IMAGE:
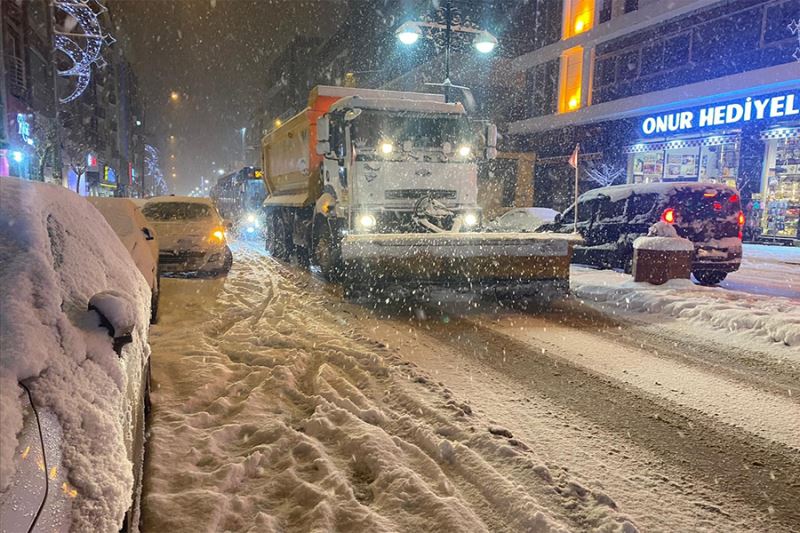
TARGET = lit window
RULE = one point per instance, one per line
(578, 17)
(569, 98)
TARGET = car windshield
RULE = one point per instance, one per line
(401, 265)
(176, 211)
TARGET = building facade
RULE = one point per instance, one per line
(687, 90)
(92, 144)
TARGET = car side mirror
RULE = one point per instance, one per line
(149, 234)
(116, 316)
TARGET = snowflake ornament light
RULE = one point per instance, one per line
(794, 27)
(82, 45)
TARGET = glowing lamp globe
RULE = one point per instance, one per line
(408, 33)
(485, 42)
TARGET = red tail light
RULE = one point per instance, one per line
(668, 216)
(740, 235)
(717, 206)
(734, 198)
(741, 218)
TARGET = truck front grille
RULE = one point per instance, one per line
(413, 194)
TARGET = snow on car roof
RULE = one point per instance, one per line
(620, 192)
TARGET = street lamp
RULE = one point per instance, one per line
(409, 33)
(485, 42)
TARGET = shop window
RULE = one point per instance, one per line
(709, 160)
(720, 163)
(578, 17)
(779, 201)
(648, 167)
(571, 80)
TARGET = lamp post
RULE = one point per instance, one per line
(409, 33)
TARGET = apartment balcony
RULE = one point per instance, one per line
(15, 76)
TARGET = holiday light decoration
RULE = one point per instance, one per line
(84, 45)
(794, 27)
(152, 168)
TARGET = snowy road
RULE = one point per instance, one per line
(278, 406)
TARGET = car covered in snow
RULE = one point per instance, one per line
(522, 219)
(191, 235)
(74, 365)
(139, 237)
(611, 218)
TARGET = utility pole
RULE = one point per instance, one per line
(448, 15)
(57, 160)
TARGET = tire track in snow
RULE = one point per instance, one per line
(275, 417)
(753, 470)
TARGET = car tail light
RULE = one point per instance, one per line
(717, 206)
(734, 198)
(741, 218)
(668, 215)
(741, 237)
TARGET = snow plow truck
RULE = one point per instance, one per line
(379, 189)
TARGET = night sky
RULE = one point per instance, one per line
(214, 53)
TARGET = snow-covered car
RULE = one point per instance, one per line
(191, 235)
(139, 237)
(611, 218)
(74, 365)
(522, 219)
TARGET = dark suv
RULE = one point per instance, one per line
(611, 218)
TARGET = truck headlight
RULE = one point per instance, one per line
(464, 150)
(367, 221)
(470, 219)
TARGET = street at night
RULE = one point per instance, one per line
(420, 266)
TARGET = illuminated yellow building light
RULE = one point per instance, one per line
(570, 80)
(578, 17)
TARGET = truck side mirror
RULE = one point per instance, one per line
(323, 136)
(491, 141)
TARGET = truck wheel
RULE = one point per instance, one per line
(327, 255)
(709, 277)
(277, 240)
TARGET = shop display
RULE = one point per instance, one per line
(781, 209)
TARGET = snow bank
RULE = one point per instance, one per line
(769, 318)
(56, 252)
(272, 414)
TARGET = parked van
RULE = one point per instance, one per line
(611, 218)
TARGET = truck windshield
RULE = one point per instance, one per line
(428, 131)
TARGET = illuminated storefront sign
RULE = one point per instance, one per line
(24, 128)
(749, 109)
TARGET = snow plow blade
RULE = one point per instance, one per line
(498, 264)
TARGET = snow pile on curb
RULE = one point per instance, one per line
(48, 274)
(271, 414)
(767, 317)
(663, 237)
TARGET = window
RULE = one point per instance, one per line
(578, 17)
(641, 204)
(571, 80)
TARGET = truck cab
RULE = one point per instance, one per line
(401, 165)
